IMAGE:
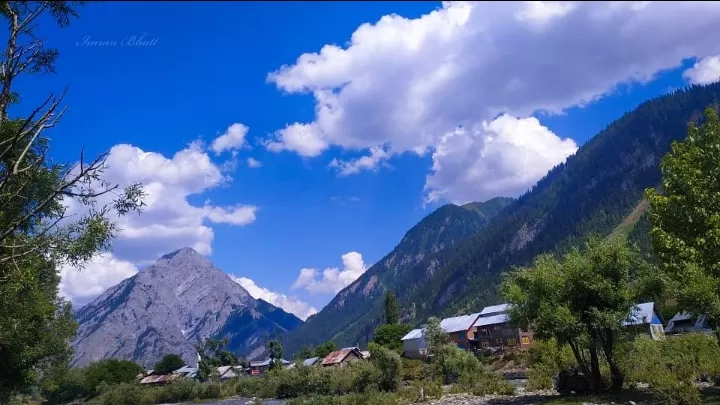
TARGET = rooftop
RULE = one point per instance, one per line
(492, 320)
(494, 309)
(458, 323)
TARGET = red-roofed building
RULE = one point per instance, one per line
(342, 357)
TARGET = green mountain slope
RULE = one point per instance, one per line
(592, 193)
(353, 314)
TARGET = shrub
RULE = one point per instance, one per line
(111, 371)
(366, 377)
(671, 366)
(168, 364)
(389, 364)
(490, 383)
(412, 370)
(545, 359)
(211, 391)
(123, 394)
(179, 391)
(453, 364)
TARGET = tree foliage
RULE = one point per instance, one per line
(685, 217)
(305, 353)
(168, 364)
(275, 352)
(581, 300)
(392, 311)
(50, 213)
(213, 354)
(389, 336)
(322, 350)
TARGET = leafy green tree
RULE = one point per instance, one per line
(38, 230)
(275, 352)
(213, 354)
(392, 312)
(581, 300)
(435, 336)
(305, 353)
(111, 372)
(389, 336)
(168, 364)
(685, 217)
(322, 350)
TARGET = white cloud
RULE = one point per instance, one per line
(503, 157)
(253, 163)
(369, 162)
(403, 84)
(705, 71)
(168, 221)
(333, 279)
(301, 309)
(232, 139)
(101, 273)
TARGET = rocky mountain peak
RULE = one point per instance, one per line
(170, 306)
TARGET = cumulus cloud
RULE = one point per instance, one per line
(168, 221)
(705, 71)
(405, 84)
(333, 279)
(101, 273)
(301, 309)
(254, 164)
(232, 139)
(369, 162)
(503, 157)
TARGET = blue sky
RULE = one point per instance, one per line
(393, 91)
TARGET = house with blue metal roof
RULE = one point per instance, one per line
(644, 319)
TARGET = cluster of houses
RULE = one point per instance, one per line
(490, 329)
(338, 358)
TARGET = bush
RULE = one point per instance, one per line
(412, 370)
(454, 365)
(389, 364)
(671, 366)
(211, 391)
(545, 359)
(111, 371)
(124, 394)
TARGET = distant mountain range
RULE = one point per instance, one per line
(170, 307)
(452, 261)
(449, 263)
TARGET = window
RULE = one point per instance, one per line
(511, 341)
(496, 327)
(525, 340)
(484, 344)
(483, 331)
(498, 342)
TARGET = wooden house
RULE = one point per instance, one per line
(684, 322)
(493, 330)
(460, 329)
(342, 357)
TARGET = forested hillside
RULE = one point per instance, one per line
(353, 314)
(593, 192)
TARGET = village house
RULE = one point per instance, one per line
(684, 322)
(460, 329)
(259, 367)
(311, 361)
(644, 319)
(414, 344)
(493, 330)
(342, 357)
